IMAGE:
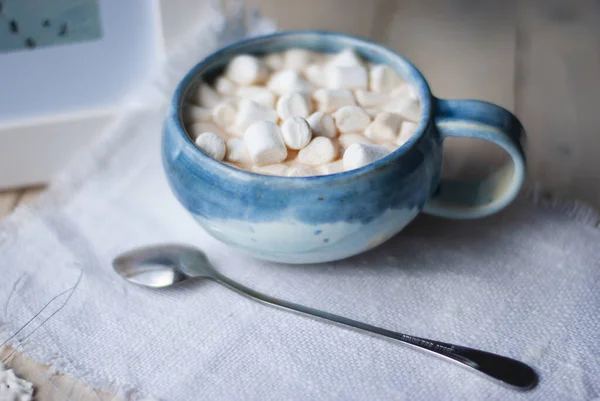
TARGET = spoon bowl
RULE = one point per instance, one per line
(165, 265)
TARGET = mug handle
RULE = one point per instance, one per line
(487, 121)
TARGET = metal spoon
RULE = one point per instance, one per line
(165, 265)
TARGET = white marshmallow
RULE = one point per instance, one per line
(297, 59)
(368, 99)
(224, 86)
(320, 150)
(347, 78)
(391, 146)
(384, 127)
(288, 80)
(211, 144)
(331, 168)
(259, 94)
(351, 138)
(383, 78)
(404, 101)
(207, 96)
(191, 114)
(296, 132)
(404, 90)
(299, 171)
(322, 124)
(373, 111)
(236, 151)
(274, 61)
(224, 114)
(407, 129)
(293, 105)
(198, 128)
(237, 166)
(345, 58)
(408, 108)
(315, 74)
(359, 155)
(246, 69)
(329, 100)
(264, 143)
(351, 119)
(271, 169)
(249, 112)
(234, 130)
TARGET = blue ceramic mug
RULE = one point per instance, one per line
(325, 218)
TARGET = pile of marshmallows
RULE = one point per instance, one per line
(301, 113)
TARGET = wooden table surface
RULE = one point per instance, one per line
(537, 58)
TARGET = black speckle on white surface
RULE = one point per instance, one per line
(47, 23)
(63, 29)
(14, 27)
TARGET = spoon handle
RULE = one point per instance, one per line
(507, 370)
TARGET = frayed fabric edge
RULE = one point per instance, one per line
(576, 210)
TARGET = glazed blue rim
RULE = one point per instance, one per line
(413, 76)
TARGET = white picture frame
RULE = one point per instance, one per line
(54, 99)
